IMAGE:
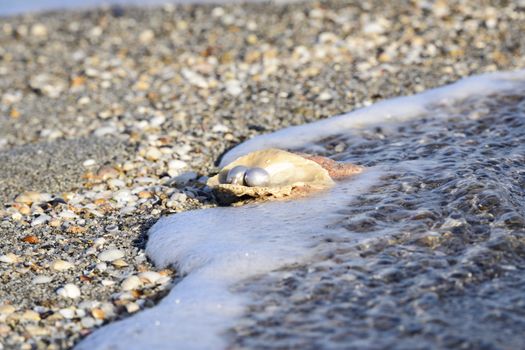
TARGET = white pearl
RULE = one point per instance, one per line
(236, 175)
(256, 177)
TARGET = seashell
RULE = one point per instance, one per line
(275, 173)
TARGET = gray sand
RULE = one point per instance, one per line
(53, 167)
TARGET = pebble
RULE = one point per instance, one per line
(325, 96)
(146, 36)
(101, 267)
(68, 214)
(7, 309)
(61, 265)
(107, 283)
(130, 283)
(150, 276)
(186, 177)
(119, 263)
(124, 196)
(38, 30)
(42, 219)
(116, 183)
(42, 279)
(220, 128)
(89, 163)
(153, 153)
(69, 291)
(99, 242)
(4, 330)
(233, 87)
(36, 331)
(30, 315)
(9, 258)
(98, 313)
(31, 239)
(68, 313)
(29, 197)
(87, 322)
(176, 164)
(164, 280)
(194, 78)
(111, 255)
(80, 312)
(132, 307)
(107, 172)
(105, 130)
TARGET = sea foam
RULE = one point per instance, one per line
(217, 248)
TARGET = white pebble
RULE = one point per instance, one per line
(68, 214)
(325, 96)
(194, 78)
(116, 183)
(101, 240)
(157, 120)
(87, 322)
(107, 283)
(68, 313)
(153, 153)
(132, 307)
(145, 180)
(101, 267)
(7, 309)
(233, 87)
(69, 291)
(186, 177)
(104, 130)
(42, 279)
(150, 276)
(130, 283)
(220, 128)
(89, 162)
(91, 251)
(164, 280)
(9, 258)
(42, 219)
(111, 254)
(80, 312)
(39, 30)
(176, 164)
(178, 197)
(61, 265)
(123, 196)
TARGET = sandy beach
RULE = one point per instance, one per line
(111, 118)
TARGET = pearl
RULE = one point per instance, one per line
(236, 175)
(255, 177)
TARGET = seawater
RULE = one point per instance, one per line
(426, 248)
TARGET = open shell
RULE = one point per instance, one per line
(290, 174)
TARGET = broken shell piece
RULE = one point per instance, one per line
(288, 174)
